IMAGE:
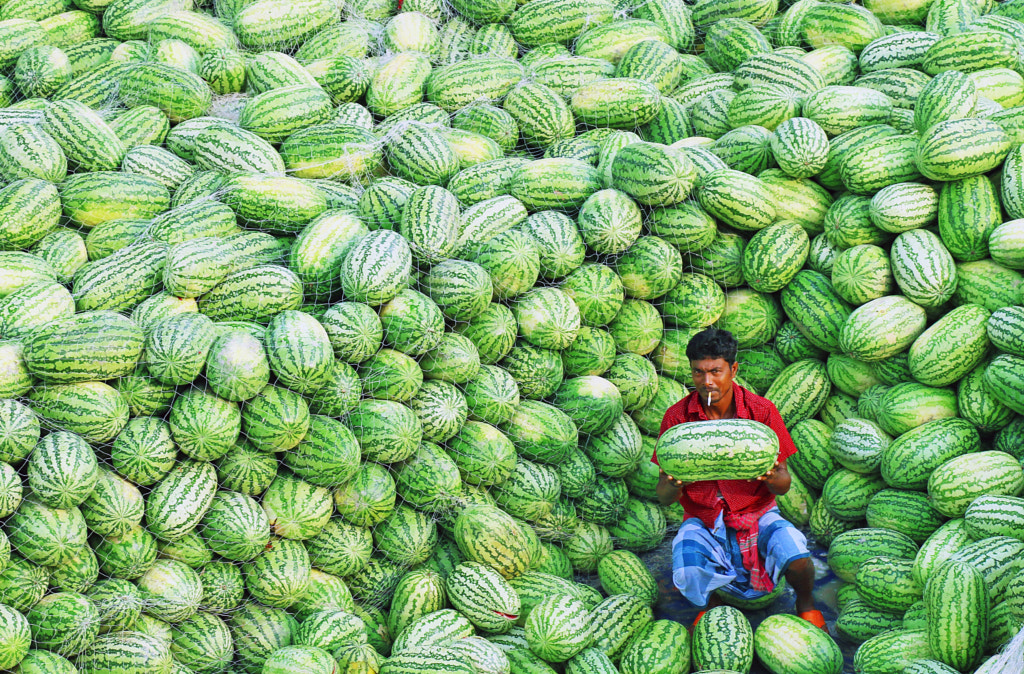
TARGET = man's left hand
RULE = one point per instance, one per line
(776, 479)
(770, 474)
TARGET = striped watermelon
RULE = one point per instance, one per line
(532, 27)
(202, 642)
(592, 353)
(39, 661)
(907, 512)
(1004, 330)
(298, 350)
(62, 471)
(850, 549)
(204, 426)
(235, 527)
(858, 445)
(911, 458)
(404, 537)
(897, 648)
(256, 293)
(961, 148)
(419, 593)
(1001, 380)
(858, 622)
(81, 337)
(141, 652)
(617, 620)
(710, 653)
(144, 452)
(950, 347)
(330, 629)
(784, 639)
(177, 347)
(774, 255)
(489, 536)
(530, 490)
(800, 390)
(993, 515)
(483, 595)
(441, 408)
(923, 268)
(557, 629)
(85, 138)
(680, 458)
(882, 328)
(236, 366)
(276, 419)
(887, 584)
(432, 630)
(65, 623)
(300, 659)
(170, 590)
(862, 273)
(280, 575)
(368, 497)
(180, 500)
(258, 630)
(223, 587)
(816, 309)
(957, 601)
(483, 454)
(957, 482)
(91, 409)
(622, 572)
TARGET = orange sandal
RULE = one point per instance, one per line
(814, 617)
(699, 616)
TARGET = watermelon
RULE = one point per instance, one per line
(557, 628)
(141, 652)
(65, 623)
(850, 549)
(489, 536)
(63, 470)
(954, 484)
(785, 641)
(956, 629)
(893, 650)
(710, 653)
(691, 461)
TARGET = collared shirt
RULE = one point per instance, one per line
(707, 498)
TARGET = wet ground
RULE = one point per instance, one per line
(672, 606)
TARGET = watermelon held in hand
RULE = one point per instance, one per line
(722, 449)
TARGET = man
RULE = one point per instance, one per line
(733, 537)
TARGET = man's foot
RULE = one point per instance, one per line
(813, 616)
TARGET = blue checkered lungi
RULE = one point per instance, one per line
(706, 560)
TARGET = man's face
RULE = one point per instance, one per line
(712, 377)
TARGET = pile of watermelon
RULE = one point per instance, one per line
(336, 336)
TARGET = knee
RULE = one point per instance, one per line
(800, 566)
(686, 555)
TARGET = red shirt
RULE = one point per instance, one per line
(700, 499)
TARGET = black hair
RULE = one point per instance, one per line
(712, 343)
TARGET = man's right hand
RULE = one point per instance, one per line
(669, 478)
(668, 488)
